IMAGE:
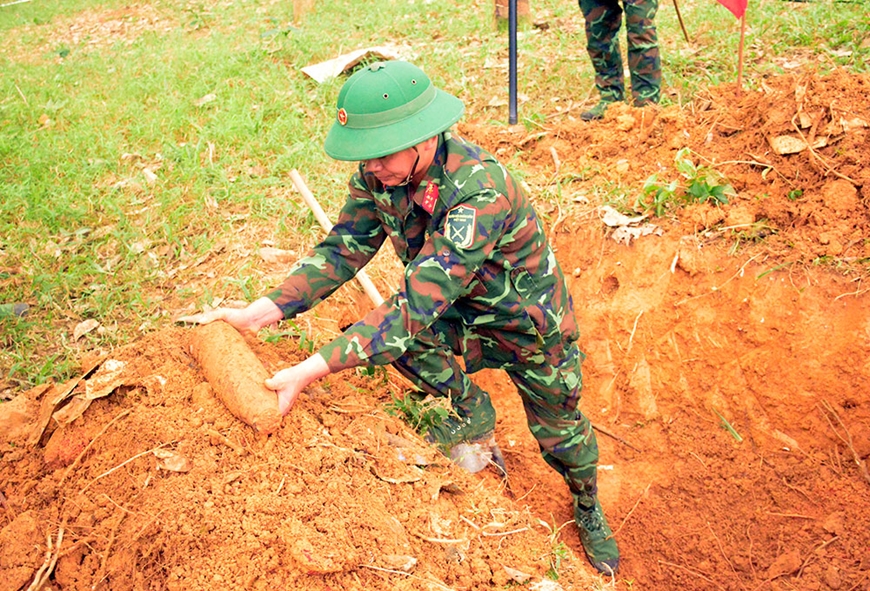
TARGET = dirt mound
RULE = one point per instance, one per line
(726, 376)
(342, 496)
(807, 203)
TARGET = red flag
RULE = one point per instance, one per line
(737, 7)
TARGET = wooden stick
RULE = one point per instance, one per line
(37, 580)
(636, 503)
(227, 441)
(617, 437)
(440, 540)
(505, 533)
(740, 55)
(320, 215)
(817, 157)
(124, 463)
(101, 573)
(794, 515)
(51, 556)
(680, 18)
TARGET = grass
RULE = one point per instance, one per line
(144, 149)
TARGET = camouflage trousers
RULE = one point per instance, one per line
(550, 395)
(603, 20)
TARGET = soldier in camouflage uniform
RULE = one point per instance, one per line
(480, 282)
(603, 21)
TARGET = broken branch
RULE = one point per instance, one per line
(636, 503)
(617, 437)
(124, 463)
(89, 445)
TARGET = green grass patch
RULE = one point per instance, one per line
(144, 149)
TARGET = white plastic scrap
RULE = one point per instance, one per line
(627, 228)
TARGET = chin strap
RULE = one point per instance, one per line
(413, 169)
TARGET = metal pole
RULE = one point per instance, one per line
(512, 66)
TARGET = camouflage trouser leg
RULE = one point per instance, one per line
(430, 364)
(644, 61)
(550, 397)
(603, 19)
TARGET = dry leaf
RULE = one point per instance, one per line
(105, 380)
(853, 124)
(76, 408)
(614, 219)
(787, 144)
(403, 563)
(517, 575)
(805, 120)
(84, 327)
(800, 92)
(625, 234)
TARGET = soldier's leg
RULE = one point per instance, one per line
(431, 365)
(603, 20)
(644, 61)
(551, 395)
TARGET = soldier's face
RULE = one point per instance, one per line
(393, 169)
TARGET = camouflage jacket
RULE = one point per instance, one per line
(475, 256)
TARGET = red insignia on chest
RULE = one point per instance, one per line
(430, 197)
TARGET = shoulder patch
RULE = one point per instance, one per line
(430, 197)
(460, 225)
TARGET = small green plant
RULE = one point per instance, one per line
(560, 552)
(422, 413)
(293, 331)
(374, 371)
(795, 194)
(755, 232)
(657, 197)
(701, 184)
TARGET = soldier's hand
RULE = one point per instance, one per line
(251, 318)
(288, 383)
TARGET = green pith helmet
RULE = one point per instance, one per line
(387, 107)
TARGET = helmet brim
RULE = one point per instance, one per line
(347, 143)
